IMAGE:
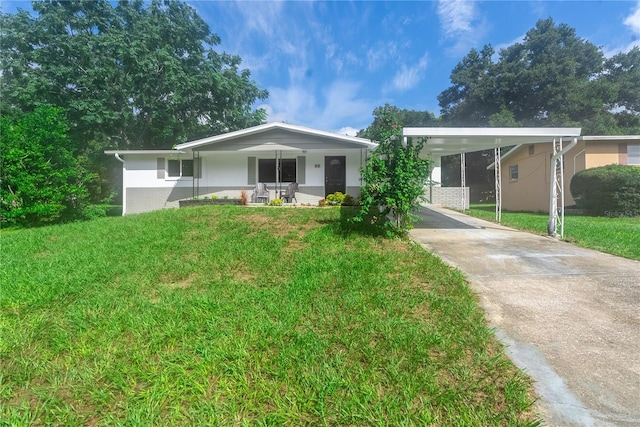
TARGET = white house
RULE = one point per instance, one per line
(224, 165)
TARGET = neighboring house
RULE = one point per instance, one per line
(224, 165)
(526, 175)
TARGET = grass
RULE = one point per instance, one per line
(616, 236)
(243, 316)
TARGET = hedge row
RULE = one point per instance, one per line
(612, 190)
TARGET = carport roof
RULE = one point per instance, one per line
(448, 141)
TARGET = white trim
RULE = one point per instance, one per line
(490, 132)
(275, 125)
(123, 152)
(608, 137)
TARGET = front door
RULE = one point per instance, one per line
(335, 173)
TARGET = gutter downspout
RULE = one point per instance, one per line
(124, 187)
(553, 208)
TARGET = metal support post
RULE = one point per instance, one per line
(498, 178)
(463, 178)
(556, 210)
(556, 192)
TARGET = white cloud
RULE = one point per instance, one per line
(458, 21)
(633, 21)
(409, 77)
(456, 16)
(379, 55)
(348, 130)
(341, 103)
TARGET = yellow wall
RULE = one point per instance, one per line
(602, 153)
(530, 192)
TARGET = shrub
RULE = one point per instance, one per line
(275, 202)
(612, 190)
(101, 210)
(41, 180)
(394, 177)
(335, 199)
(349, 201)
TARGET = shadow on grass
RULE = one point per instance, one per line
(346, 225)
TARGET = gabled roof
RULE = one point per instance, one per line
(275, 136)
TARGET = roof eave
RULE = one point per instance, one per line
(364, 143)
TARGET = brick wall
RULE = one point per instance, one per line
(450, 197)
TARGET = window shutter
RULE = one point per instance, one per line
(160, 168)
(302, 169)
(251, 170)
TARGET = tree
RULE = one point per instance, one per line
(405, 118)
(134, 75)
(620, 86)
(40, 180)
(394, 176)
(468, 102)
(549, 79)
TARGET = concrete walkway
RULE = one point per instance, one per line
(570, 317)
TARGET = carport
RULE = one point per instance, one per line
(443, 141)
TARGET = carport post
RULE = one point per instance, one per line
(556, 190)
(498, 179)
(463, 178)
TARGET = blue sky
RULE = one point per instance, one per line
(329, 64)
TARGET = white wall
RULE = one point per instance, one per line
(230, 169)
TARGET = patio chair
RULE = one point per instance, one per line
(290, 193)
(261, 192)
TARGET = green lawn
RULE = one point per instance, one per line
(243, 316)
(617, 236)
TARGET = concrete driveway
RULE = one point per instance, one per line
(570, 317)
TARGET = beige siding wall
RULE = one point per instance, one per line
(600, 153)
(530, 192)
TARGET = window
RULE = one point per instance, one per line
(513, 172)
(267, 170)
(633, 154)
(179, 168)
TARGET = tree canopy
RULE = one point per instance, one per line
(133, 75)
(41, 181)
(128, 75)
(403, 118)
(551, 78)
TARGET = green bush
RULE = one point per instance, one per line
(41, 180)
(349, 201)
(612, 190)
(101, 211)
(335, 199)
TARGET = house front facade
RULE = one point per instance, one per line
(526, 171)
(224, 165)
